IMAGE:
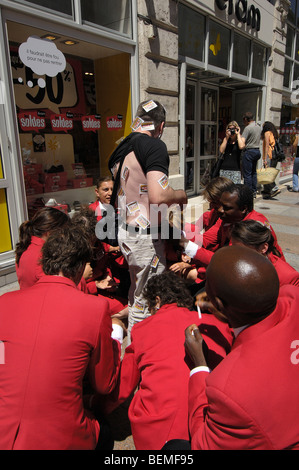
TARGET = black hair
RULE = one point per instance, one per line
(245, 195)
(269, 126)
(170, 288)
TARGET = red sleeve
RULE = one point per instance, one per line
(129, 378)
(105, 359)
(217, 422)
(211, 236)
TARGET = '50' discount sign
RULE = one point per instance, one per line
(42, 78)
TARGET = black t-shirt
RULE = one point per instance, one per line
(151, 153)
(232, 157)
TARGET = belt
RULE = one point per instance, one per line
(137, 229)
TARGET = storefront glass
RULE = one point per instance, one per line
(259, 62)
(192, 37)
(219, 42)
(290, 42)
(73, 105)
(5, 235)
(115, 14)
(241, 54)
(65, 6)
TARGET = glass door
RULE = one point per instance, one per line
(208, 131)
(201, 131)
(190, 139)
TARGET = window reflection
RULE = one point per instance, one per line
(189, 140)
(208, 139)
(208, 104)
(56, 5)
(241, 55)
(189, 176)
(115, 14)
(258, 62)
(219, 45)
(191, 37)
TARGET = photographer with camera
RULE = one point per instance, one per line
(231, 148)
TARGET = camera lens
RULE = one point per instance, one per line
(232, 131)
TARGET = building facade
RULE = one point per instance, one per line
(72, 74)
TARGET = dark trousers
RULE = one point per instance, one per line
(249, 162)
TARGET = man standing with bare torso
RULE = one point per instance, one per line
(143, 195)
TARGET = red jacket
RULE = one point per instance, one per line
(286, 273)
(219, 235)
(29, 270)
(53, 333)
(156, 361)
(250, 401)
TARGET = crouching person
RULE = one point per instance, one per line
(53, 336)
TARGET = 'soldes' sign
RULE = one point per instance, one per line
(244, 13)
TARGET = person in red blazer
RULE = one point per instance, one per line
(155, 362)
(54, 336)
(32, 236)
(250, 400)
(256, 235)
(211, 193)
(236, 204)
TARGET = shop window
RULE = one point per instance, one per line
(65, 7)
(287, 72)
(296, 48)
(296, 72)
(258, 62)
(219, 43)
(292, 11)
(5, 235)
(115, 14)
(191, 33)
(241, 54)
(71, 111)
(290, 41)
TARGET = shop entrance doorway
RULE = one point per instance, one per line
(209, 106)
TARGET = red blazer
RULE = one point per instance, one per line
(156, 361)
(286, 273)
(29, 271)
(205, 222)
(250, 401)
(53, 334)
(219, 235)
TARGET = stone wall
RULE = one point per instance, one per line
(276, 64)
(158, 69)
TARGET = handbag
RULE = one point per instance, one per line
(266, 175)
(278, 152)
(215, 170)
